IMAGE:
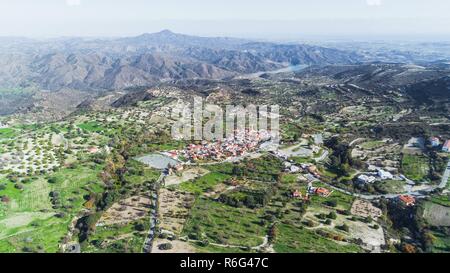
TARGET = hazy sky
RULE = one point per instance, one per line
(289, 19)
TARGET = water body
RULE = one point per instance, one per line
(157, 161)
(292, 68)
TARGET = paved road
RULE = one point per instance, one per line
(148, 243)
(356, 140)
(445, 177)
(419, 194)
(258, 247)
(323, 156)
(228, 160)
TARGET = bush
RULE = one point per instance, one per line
(204, 243)
(344, 227)
(331, 203)
(139, 227)
(165, 246)
(52, 180)
(60, 215)
(310, 223)
(332, 215)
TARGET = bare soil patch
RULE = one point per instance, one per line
(127, 210)
(174, 209)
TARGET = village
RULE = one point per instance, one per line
(240, 143)
(247, 177)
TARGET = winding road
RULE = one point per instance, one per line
(419, 194)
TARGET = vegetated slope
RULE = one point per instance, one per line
(13, 100)
(430, 90)
(421, 83)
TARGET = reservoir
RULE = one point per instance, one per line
(157, 161)
(292, 68)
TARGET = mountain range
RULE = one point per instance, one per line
(114, 64)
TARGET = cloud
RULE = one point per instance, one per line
(374, 2)
(73, 3)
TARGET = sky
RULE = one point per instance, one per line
(265, 19)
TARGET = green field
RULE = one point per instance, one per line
(443, 200)
(91, 126)
(223, 224)
(415, 167)
(217, 249)
(28, 221)
(343, 201)
(117, 238)
(436, 215)
(390, 186)
(441, 243)
(204, 183)
(301, 240)
(289, 178)
(7, 133)
(372, 144)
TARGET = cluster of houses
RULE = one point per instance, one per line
(95, 150)
(291, 168)
(237, 145)
(380, 174)
(436, 142)
(323, 192)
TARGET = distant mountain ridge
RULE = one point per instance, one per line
(114, 64)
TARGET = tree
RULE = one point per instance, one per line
(273, 233)
(52, 180)
(331, 203)
(139, 227)
(408, 248)
(332, 215)
(345, 228)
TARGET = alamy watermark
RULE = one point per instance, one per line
(210, 122)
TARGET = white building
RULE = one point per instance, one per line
(318, 139)
(434, 141)
(3, 125)
(294, 169)
(384, 175)
(365, 179)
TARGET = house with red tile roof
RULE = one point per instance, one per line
(408, 200)
(446, 147)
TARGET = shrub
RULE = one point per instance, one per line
(344, 227)
(331, 203)
(165, 246)
(332, 215)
